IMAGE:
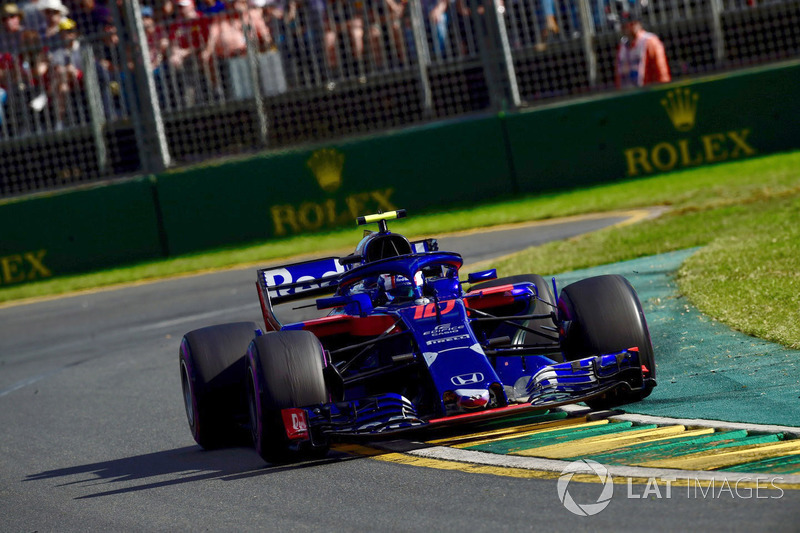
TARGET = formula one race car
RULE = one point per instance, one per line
(405, 345)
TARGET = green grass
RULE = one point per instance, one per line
(747, 274)
(743, 215)
(750, 279)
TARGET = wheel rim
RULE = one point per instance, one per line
(188, 397)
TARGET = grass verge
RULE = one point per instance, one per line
(747, 275)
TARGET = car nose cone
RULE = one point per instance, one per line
(472, 398)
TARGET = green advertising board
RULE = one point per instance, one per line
(303, 191)
(655, 130)
(77, 231)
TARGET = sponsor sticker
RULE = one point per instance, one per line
(467, 379)
(444, 329)
(296, 424)
(448, 339)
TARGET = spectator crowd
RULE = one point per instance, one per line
(199, 50)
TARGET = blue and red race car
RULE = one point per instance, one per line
(405, 344)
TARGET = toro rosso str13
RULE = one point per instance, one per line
(404, 343)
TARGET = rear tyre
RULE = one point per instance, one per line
(212, 368)
(605, 316)
(284, 369)
(544, 305)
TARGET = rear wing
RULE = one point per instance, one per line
(296, 281)
(301, 280)
(307, 279)
(425, 245)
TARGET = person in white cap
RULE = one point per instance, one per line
(54, 12)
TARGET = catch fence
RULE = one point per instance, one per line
(150, 89)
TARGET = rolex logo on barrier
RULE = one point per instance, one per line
(338, 207)
(681, 107)
(23, 266)
(686, 151)
(326, 164)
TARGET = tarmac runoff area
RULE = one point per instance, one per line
(737, 398)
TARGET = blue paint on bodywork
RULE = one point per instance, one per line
(450, 349)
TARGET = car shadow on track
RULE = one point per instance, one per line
(171, 467)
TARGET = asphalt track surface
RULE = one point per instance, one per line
(94, 436)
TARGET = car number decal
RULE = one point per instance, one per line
(428, 311)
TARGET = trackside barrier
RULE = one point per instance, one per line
(661, 129)
(78, 231)
(303, 191)
(280, 194)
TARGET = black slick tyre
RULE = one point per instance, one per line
(284, 370)
(604, 315)
(212, 369)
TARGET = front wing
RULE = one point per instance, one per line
(551, 386)
(583, 379)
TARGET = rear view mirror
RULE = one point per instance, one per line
(360, 304)
(484, 275)
(334, 301)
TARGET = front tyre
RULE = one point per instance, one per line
(284, 369)
(604, 315)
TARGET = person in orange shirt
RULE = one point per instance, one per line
(641, 59)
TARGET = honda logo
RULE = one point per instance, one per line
(467, 379)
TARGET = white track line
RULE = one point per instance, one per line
(555, 465)
(193, 318)
(575, 410)
(703, 423)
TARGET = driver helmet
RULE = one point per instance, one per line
(396, 286)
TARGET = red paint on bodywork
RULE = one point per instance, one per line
(497, 412)
(270, 322)
(296, 423)
(491, 297)
(368, 326)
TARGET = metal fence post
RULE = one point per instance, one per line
(423, 57)
(94, 101)
(495, 53)
(253, 69)
(156, 157)
(718, 35)
(498, 21)
(587, 39)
